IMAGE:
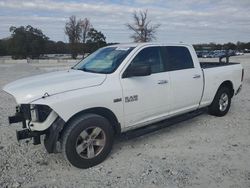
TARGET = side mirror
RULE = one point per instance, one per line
(138, 70)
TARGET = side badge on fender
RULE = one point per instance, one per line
(131, 98)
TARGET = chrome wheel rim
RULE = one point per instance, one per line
(223, 102)
(90, 142)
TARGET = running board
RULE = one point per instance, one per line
(131, 134)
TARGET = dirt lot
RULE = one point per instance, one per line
(205, 151)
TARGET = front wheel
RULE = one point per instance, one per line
(87, 141)
(221, 103)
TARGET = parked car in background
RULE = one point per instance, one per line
(218, 53)
(199, 53)
(206, 55)
(239, 53)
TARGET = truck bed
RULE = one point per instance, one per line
(206, 65)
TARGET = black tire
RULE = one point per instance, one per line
(82, 125)
(215, 108)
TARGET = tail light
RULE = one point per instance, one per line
(242, 75)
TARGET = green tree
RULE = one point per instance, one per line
(27, 42)
(3, 50)
(95, 36)
(95, 40)
(61, 47)
(229, 46)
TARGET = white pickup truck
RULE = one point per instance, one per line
(115, 89)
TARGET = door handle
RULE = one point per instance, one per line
(162, 82)
(196, 76)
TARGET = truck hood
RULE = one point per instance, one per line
(32, 88)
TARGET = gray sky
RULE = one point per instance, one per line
(189, 21)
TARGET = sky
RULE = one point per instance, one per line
(188, 21)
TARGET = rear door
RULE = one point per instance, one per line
(146, 98)
(186, 79)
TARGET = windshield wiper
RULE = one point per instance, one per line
(92, 71)
(87, 70)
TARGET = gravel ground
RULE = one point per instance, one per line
(205, 151)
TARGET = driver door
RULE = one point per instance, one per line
(146, 98)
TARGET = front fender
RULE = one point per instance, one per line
(67, 104)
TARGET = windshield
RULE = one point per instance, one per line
(104, 60)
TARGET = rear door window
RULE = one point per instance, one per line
(177, 58)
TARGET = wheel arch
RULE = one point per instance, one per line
(228, 84)
(102, 111)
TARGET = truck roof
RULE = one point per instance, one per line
(149, 44)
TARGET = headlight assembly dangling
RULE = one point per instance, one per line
(34, 113)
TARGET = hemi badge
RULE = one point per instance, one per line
(117, 100)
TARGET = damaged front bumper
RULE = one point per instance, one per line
(50, 127)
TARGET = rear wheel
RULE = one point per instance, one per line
(221, 103)
(87, 141)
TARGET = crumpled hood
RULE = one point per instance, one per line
(32, 88)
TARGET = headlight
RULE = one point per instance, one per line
(39, 113)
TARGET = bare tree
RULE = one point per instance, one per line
(143, 30)
(85, 26)
(73, 30)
